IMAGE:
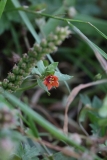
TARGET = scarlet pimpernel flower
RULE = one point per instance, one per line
(51, 81)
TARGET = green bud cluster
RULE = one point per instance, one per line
(28, 61)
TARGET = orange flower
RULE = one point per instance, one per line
(51, 81)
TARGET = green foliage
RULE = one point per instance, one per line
(23, 22)
(2, 6)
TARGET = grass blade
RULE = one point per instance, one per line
(91, 44)
(2, 6)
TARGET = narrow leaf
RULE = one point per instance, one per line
(35, 71)
(41, 67)
(2, 6)
(40, 83)
(52, 66)
(94, 47)
(62, 77)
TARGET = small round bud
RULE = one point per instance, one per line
(18, 83)
(19, 78)
(43, 43)
(10, 85)
(25, 57)
(72, 12)
(76, 138)
(11, 76)
(15, 69)
(23, 66)
(37, 48)
(32, 53)
(21, 71)
(5, 83)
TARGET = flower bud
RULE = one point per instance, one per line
(15, 69)
(43, 43)
(21, 71)
(10, 85)
(11, 76)
(5, 83)
(18, 83)
(37, 48)
(25, 57)
(32, 53)
(23, 66)
(19, 78)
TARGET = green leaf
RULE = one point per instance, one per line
(41, 67)
(86, 29)
(52, 23)
(26, 20)
(94, 117)
(85, 99)
(2, 6)
(103, 109)
(35, 71)
(96, 103)
(40, 83)
(62, 77)
(30, 152)
(94, 47)
(4, 102)
(52, 66)
(26, 152)
(83, 114)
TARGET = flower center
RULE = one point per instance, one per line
(51, 80)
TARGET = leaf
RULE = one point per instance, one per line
(26, 152)
(86, 29)
(2, 6)
(94, 117)
(52, 23)
(40, 83)
(26, 21)
(103, 109)
(41, 67)
(35, 71)
(62, 77)
(30, 152)
(96, 103)
(52, 66)
(94, 47)
(85, 99)
(4, 102)
(83, 114)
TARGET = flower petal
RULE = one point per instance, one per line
(49, 86)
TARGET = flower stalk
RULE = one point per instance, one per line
(36, 53)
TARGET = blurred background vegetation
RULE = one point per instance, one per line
(75, 58)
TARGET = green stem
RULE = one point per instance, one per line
(59, 18)
(45, 15)
(26, 88)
